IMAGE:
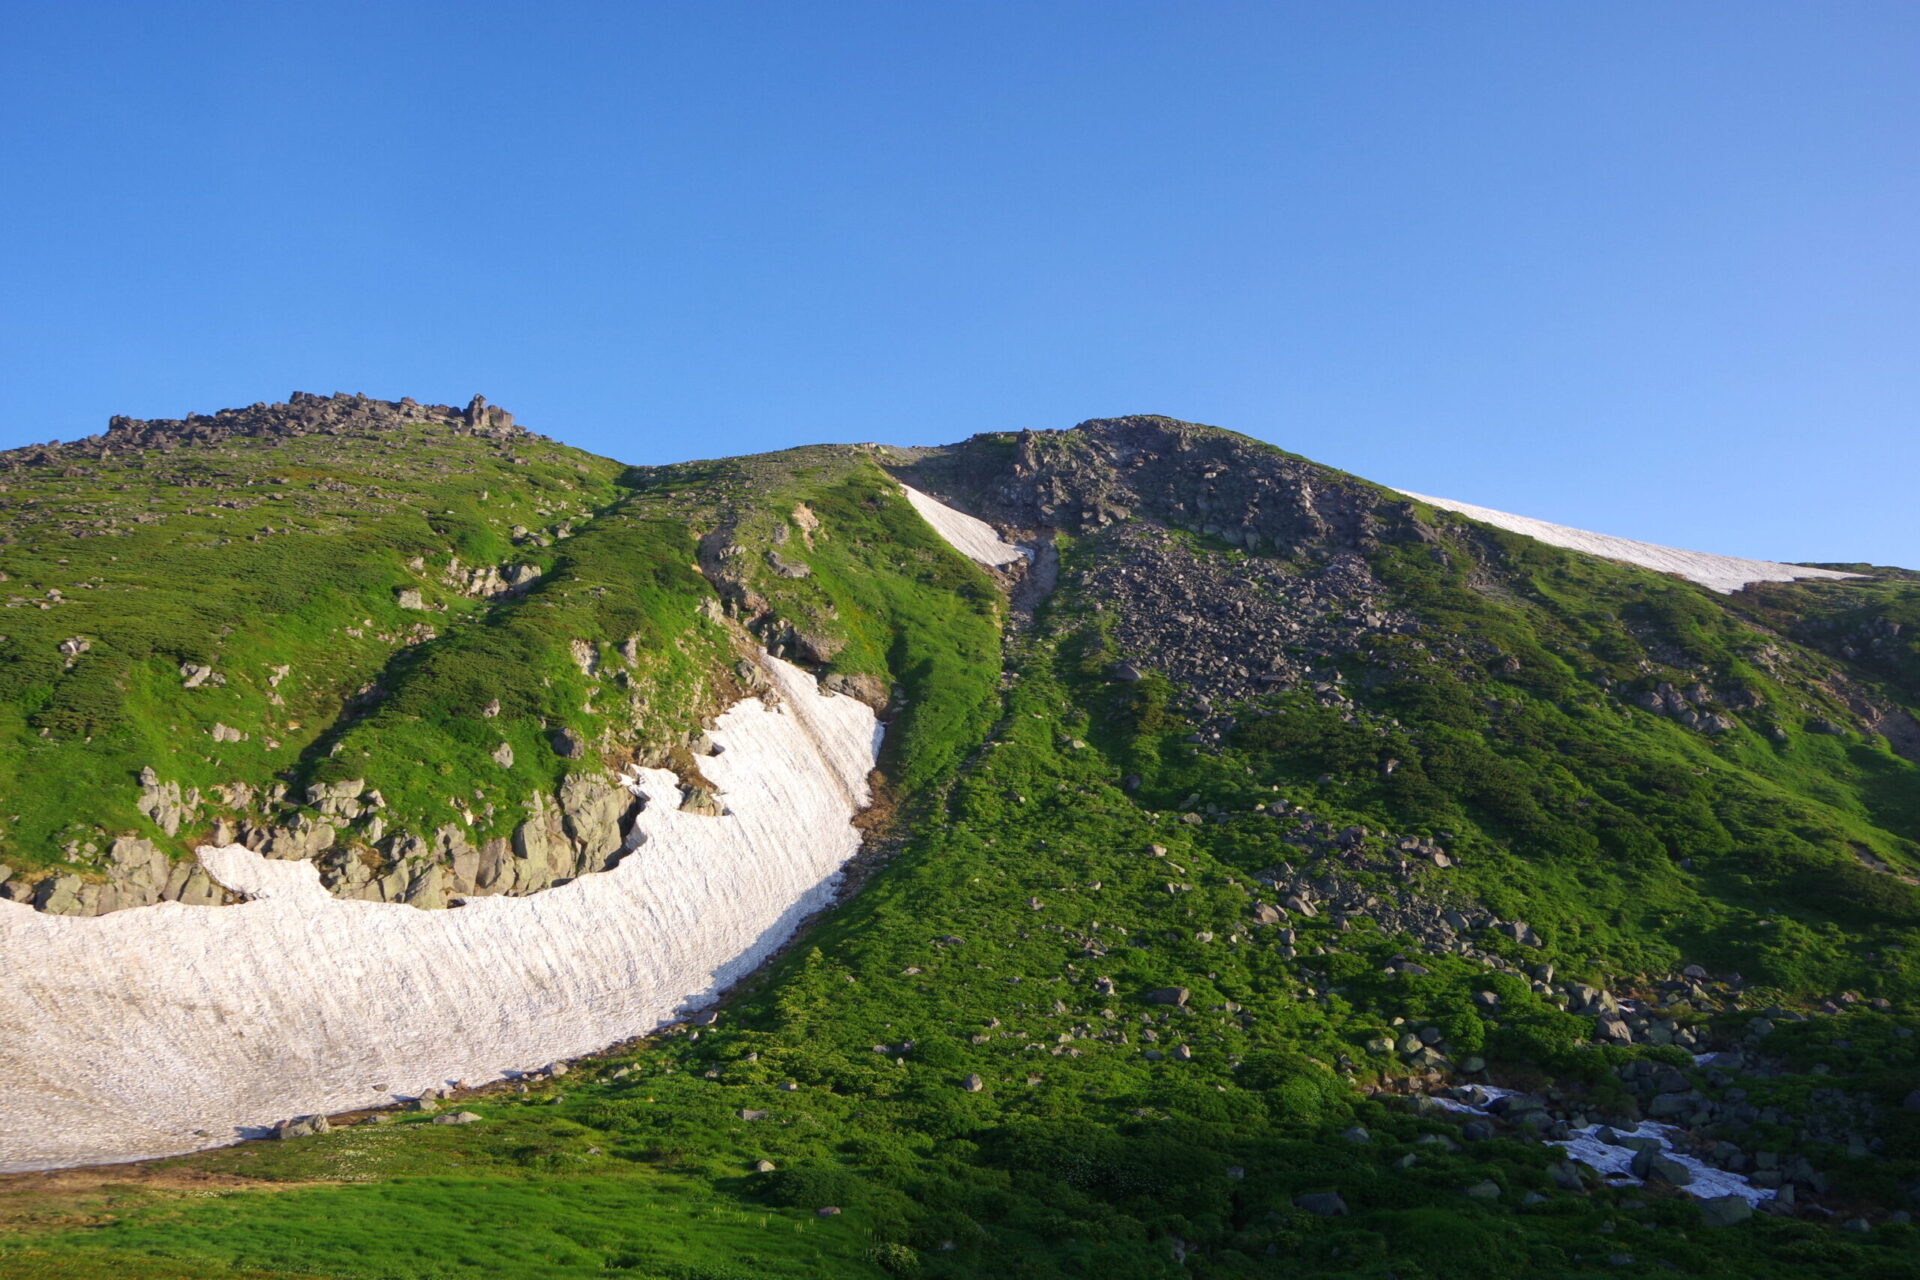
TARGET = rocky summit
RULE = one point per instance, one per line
(1261, 872)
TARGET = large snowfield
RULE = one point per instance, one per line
(1725, 574)
(171, 1028)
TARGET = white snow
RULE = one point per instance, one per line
(973, 538)
(1708, 1182)
(1725, 574)
(122, 1035)
(1616, 1162)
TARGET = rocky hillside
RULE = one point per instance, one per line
(412, 643)
(1275, 875)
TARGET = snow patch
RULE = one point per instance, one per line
(1616, 1163)
(170, 1028)
(1725, 574)
(973, 538)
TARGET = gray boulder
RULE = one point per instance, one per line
(301, 1127)
(1324, 1204)
(1655, 1166)
(1725, 1211)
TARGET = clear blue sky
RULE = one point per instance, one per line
(1647, 268)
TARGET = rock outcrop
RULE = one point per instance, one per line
(304, 414)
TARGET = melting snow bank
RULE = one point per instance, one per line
(973, 538)
(1614, 1158)
(1725, 574)
(170, 1028)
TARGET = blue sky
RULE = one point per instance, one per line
(1645, 268)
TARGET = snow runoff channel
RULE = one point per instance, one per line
(171, 1028)
(1725, 574)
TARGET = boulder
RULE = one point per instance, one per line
(871, 690)
(1672, 1106)
(786, 568)
(301, 1127)
(1655, 1166)
(1324, 1204)
(67, 895)
(1566, 1176)
(138, 874)
(1725, 1211)
(1176, 996)
(595, 811)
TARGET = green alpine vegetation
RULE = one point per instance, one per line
(1226, 854)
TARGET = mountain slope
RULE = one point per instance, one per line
(1260, 802)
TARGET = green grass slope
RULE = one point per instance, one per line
(978, 1063)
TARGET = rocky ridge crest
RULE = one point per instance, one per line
(301, 414)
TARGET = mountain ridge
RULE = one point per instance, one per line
(1258, 801)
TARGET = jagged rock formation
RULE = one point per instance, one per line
(301, 414)
(304, 414)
